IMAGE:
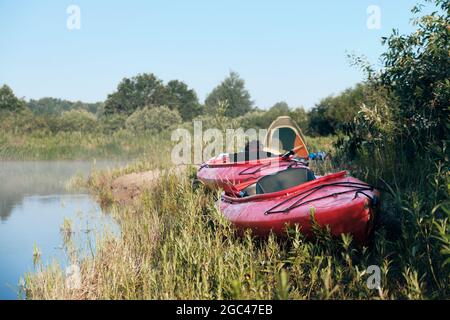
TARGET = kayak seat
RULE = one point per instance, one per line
(279, 181)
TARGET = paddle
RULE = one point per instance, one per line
(291, 152)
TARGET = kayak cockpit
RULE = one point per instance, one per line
(254, 150)
(279, 181)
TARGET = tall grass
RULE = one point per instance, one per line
(76, 145)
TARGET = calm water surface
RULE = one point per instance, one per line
(34, 202)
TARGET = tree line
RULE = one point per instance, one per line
(147, 93)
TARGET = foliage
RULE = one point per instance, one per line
(417, 75)
(45, 145)
(399, 139)
(112, 123)
(142, 90)
(334, 113)
(24, 121)
(8, 101)
(146, 90)
(261, 119)
(155, 119)
(180, 97)
(410, 111)
(78, 121)
(54, 107)
(301, 117)
(232, 91)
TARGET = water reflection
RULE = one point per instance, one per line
(33, 205)
(24, 178)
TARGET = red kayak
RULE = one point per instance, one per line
(284, 142)
(287, 198)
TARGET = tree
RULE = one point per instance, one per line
(277, 110)
(416, 73)
(53, 106)
(301, 117)
(179, 97)
(334, 113)
(411, 114)
(232, 90)
(8, 101)
(142, 90)
(146, 90)
(414, 116)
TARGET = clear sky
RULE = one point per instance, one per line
(285, 50)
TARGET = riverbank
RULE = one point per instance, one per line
(122, 144)
(174, 244)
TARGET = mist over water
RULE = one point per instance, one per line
(34, 202)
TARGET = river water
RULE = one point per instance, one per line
(34, 203)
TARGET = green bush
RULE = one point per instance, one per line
(77, 120)
(334, 113)
(153, 119)
(112, 123)
(254, 119)
(261, 119)
(408, 111)
(399, 140)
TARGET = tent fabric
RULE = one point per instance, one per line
(284, 135)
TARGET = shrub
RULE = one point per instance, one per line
(77, 120)
(334, 113)
(113, 123)
(399, 140)
(153, 119)
(261, 119)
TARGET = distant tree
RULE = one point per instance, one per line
(301, 117)
(261, 119)
(178, 96)
(280, 107)
(8, 101)
(277, 110)
(54, 106)
(333, 113)
(232, 90)
(142, 90)
(319, 123)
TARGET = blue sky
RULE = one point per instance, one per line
(285, 50)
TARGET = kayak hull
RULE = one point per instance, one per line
(346, 212)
